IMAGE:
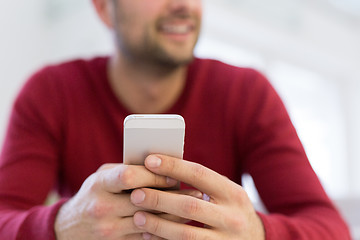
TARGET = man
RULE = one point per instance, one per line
(67, 123)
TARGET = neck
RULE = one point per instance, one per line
(144, 88)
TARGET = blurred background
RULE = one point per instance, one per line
(309, 50)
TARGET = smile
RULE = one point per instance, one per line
(176, 29)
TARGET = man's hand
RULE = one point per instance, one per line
(102, 209)
(228, 213)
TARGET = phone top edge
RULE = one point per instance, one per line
(154, 121)
(157, 116)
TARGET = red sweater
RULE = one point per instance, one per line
(66, 122)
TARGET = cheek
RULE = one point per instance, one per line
(144, 13)
(148, 9)
(130, 23)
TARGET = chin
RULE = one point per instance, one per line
(178, 61)
(167, 57)
(180, 57)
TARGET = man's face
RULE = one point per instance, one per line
(157, 31)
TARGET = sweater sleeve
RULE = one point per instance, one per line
(29, 162)
(297, 204)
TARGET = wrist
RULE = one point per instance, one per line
(62, 219)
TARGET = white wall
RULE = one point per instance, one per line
(310, 52)
(321, 45)
(19, 48)
(39, 32)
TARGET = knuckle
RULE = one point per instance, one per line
(127, 177)
(105, 166)
(155, 201)
(91, 184)
(188, 234)
(191, 207)
(199, 172)
(234, 222)
(98, 210)
(239, 194)
(105, 231)
(158, 180)
(156, 228)
(171, 165)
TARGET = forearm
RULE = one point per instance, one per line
(35, 223)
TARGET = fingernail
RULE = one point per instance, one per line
(197, 194)
(153, 161)
(139, 219)
(137, 196)
(146, 236)
(171, 181)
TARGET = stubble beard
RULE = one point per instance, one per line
(151, 53)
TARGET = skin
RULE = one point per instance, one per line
(154, 42)
(102, 208)
(228, 214)
(141, 35)
(147, 71)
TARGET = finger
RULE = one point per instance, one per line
(138, 236)
(125, 177)
(117, 204)
(147, 236)
(126, 226)
(115, 229)
(129, 209)
(187, 207)
(163, 228)
(194, 174)
(174, 218)
(189, 192)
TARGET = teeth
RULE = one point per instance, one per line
(178, 29)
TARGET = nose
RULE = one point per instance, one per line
(184, 6)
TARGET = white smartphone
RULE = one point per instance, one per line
(147, 134)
